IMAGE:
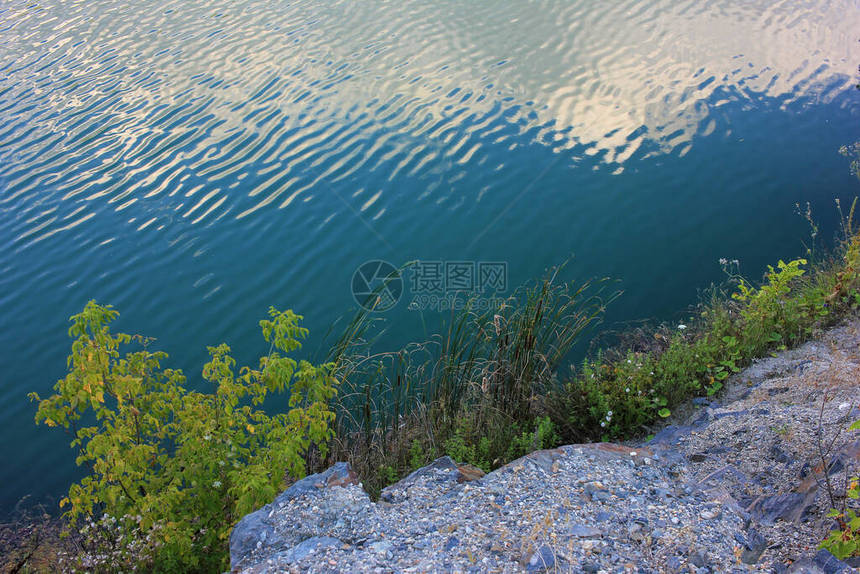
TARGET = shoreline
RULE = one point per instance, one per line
(690, 481)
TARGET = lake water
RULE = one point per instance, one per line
(194, 162)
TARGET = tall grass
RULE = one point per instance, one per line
(479, 381)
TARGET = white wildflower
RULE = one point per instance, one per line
(216, 484)
(682, 326)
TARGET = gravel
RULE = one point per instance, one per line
(734, 486)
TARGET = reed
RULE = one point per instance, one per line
(478, 381)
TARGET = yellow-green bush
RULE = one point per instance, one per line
(170, 470)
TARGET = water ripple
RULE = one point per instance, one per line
(124, 131)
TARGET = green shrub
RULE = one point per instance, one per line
(543, 436)
(174, 468)
(771, 317)
(388, 474)
(619, 396)
(417, 458)
(479, 449)
(461, 450)
(844, 541)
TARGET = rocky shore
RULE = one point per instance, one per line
(735, 485)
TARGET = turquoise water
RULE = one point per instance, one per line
(194, 162)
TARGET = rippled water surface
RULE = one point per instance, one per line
(194, 162)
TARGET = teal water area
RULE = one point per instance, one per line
(194, 162)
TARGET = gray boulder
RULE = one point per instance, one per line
(258, 529)
(822, 563)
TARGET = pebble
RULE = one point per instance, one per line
(699, 558)
(710, 513)
(583, 531)
(543, 559)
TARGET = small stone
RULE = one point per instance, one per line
(663, 493)
(699, 558)
(829, 563)
(541, 560)
(789, 506)
(593, 486)
(779, 455)
(754, 545)
(381, 547)
(601, 496)
(637, 532)
(710, 513)
(604, 516)
(582, 531)
(307, 548)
